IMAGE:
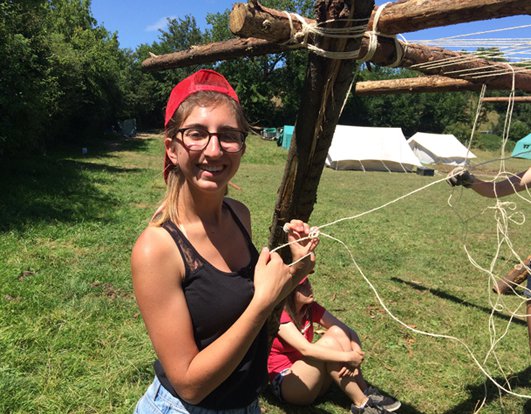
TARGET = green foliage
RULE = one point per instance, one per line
(519, 129)
(64, 78)
(520, 124)
(67, 79)
(491, 142)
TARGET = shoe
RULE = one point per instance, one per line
(390, 404)
(369, 408)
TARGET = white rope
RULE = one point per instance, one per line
(503, 219)
(388, 311)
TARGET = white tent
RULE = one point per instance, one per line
(439, 149)
(370, 148)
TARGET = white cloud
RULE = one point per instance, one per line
(162, 23)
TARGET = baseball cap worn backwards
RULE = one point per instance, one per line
(202, 80)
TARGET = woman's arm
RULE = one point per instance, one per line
(157, 271)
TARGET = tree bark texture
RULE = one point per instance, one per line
(513, 278)
(326, 87)
(416, 85)
(405, 16)
(213, 52)
(402, 16)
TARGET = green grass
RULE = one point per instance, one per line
(72, 339)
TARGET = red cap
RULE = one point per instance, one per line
(304, 279)
(202, 80)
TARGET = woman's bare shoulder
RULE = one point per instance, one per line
(155, 249)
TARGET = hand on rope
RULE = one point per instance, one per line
(302, 240)
(460, 176)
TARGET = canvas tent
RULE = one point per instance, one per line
(439, 149)
(370, 148)
(522, 149)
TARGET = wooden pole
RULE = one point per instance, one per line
(213, 52)
(505, 99)
(326, 87)
(427, 84)
(412, 15)
(402, 16)
(387, 51)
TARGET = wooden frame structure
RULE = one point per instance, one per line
(262, 30)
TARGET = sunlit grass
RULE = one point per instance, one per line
(72, 339)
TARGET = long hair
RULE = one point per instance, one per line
(291, 309)
(175, 180)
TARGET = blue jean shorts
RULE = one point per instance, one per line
(527, 290)
(157, 400)
(276, 383)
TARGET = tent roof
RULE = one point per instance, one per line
(365, 145)
(522, 148)
(441, 145)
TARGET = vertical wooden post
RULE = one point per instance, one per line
(326, 87)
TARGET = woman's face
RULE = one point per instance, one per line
(212, 168)
(304, 294)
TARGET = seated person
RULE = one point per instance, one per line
(300, 371)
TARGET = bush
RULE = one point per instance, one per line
(491, 142)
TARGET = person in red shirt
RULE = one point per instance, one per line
(301, 370)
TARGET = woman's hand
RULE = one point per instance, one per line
(272, 279)
(302, 252)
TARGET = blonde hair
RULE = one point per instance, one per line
(167, 210)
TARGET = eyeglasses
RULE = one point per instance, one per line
(197, 139)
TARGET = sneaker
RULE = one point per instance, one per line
(369, 408)
(390, 404)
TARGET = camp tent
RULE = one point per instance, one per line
(439, 149)
(370, 148)
(522, 149)
(128, 127)
(287, 134)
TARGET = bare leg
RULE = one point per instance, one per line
(349, 341)
(310, 378)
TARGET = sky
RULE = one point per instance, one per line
(139, 21)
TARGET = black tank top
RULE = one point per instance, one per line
(215, 301)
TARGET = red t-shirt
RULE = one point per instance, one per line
(282, 354)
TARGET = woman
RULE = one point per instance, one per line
(301, 370)
(203, 290)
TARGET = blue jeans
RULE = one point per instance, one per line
(157, 400)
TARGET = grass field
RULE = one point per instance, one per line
(72, 339)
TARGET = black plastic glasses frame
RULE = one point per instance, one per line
(219, 134)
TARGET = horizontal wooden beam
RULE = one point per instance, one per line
(213, 52)
(442, 62)
(253, 21)
(402, 16)
(412, 15)
(426, 84)
(505, 99)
